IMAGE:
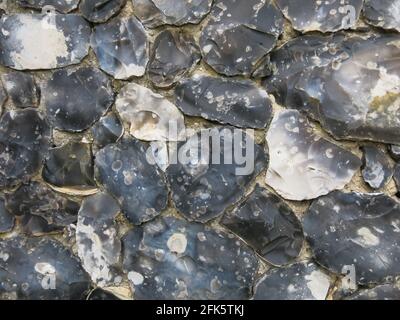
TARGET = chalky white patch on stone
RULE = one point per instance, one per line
(136, 278)
(177, 243)
(319, 284)
(150, 116)
(366, 238)
(44, 268)
(33, 35)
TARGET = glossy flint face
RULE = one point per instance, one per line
(202, 149)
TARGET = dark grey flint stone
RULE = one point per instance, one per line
(383, 13)
(7, 219)
(169, 258)
(41, 210)
(303, 164)
(394, 152)
(99, 246)
(60, 40)
(347, 83)
(268, 225)
(107, 130)
(377, 169)
(381, 292)
(300, 281)
(100, 294)
(208, 175)
(24, 139)
(125, 172)
(354, 230)
(154, 13)
(70, 166)
(40, 269)
(121, 47)
(239, 36)
(22, 89)
(63, 6)
(237, 102)
(174, 54)
(100, 10)
(325, 16)
(75, 99)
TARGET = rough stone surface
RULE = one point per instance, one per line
(304, 165)
(174, 54)
(155, 13)
(100, 10)
(75, 99)
(170, 258)
(24, 140)
(356, 230)
(325, 16)
(121, 47)
(22, 89)
(382, 292)
(383, 13)
(40, 210)
(300, 281)
(377, 169)
(149, 115)
(107, 130)
(65, 37)
(268, 225)
(123, 170)
(6, 218)
(347, 83)
(237, 102)
(63, 6)
(201, 188)
(96, 235)
(40, 269)
(239, 36)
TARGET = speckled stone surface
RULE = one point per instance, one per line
(203, 149)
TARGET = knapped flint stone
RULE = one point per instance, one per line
(300, 281)
(304, 165)
(149, 115)
(70, 169)
(22, 89)
(24, 139)
(382, 13)
(159, 153)
(63, 6)
(97, 240)
(208, 175)
(100, 294)
(350, 84)
(239, 36)
(7, 219)
(169, 258)
(60, 40)
(381, 292)
(174, 54)
(356, 230)
(394, 152)
(121, 47)
(122, 168)
(107, 130)
(268, 225)
(324, 16)
(237, 102)
(155, 13)
(377, 169)
(40, 269)
(75, 99)
(41, 210)
(100, 10)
